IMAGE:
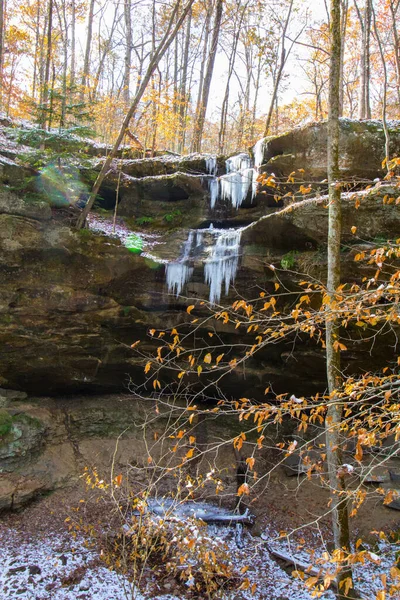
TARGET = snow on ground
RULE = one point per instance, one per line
(59, 567)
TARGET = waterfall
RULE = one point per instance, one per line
(222, 265)
(179, 272)
(235, 185)
(220, 257)
(213, 187)
(211, 165)
(238, 162)
(258, 151)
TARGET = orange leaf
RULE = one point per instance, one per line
(250, 461)
(244, 489)
(189, 309)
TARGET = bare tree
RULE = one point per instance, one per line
(340, 518)
(128, 50)
(284, 53)
(45, 86)
(86, 64)
(201, 115)
(364, 107)
(394, 6)
(385, 89)
(183, 100)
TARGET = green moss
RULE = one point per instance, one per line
(5, 422)
(24, 419)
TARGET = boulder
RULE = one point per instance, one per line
(362, 150)
(304, 224)
(11, 204)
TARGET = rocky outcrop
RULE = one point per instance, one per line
(47, 443)
(303, 150)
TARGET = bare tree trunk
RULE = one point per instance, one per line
(340, 519)
(244, 113)
(385, 87)
(128, 50)
(73, 44)
(255, 101)
(200, 117)
(279, 73)
(166, 41)
(394, 7)
(182, 92)
(63, 24)
(225, 102)
(2, 2)
(203, 61)
(45, 97)
(344, 8)
(86, 63)
(364, 108)
(37, 45)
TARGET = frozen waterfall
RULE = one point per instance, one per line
(238, 163)
(213, 187)
(179, 272)
(211, 165)
(258, 151)
(235, 185)
(221, 267)
(218, 250)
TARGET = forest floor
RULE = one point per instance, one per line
(43, 558)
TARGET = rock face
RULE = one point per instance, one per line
(362, 150)
(49, 442)
(72, 304)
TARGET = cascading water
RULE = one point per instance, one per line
(220, 257)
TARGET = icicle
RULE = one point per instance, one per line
(238, 162)
(211, 165)
(258, 151)
(199, 238)
(178, 274)
(222, 265)
(235, 186)
(254, 184)
(213, 187)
